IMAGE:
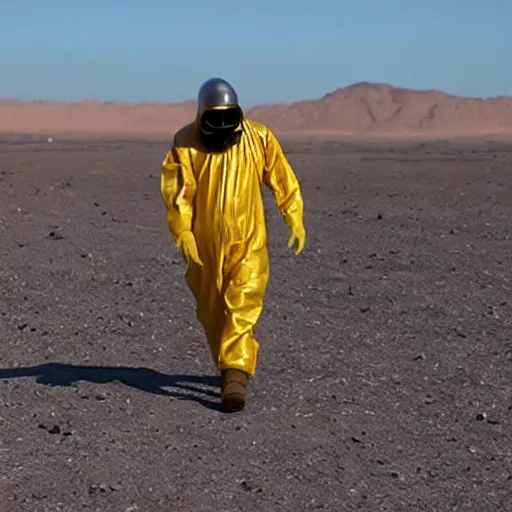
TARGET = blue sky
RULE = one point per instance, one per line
(271, 50)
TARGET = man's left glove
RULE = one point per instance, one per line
(297, 235)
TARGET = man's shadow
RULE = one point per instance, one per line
(183, 387)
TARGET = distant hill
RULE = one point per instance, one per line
(362, 109)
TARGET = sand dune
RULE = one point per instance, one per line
(363, 109)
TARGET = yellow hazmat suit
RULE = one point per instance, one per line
(215, 212)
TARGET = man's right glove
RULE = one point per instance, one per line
(186, 243)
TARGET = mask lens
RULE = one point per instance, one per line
(222, 119)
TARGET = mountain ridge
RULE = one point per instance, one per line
(359, 109)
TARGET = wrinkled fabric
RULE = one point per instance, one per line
(218, 197)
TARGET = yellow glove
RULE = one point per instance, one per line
(298, 234)
(187, 246)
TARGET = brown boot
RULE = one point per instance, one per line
(234, 383)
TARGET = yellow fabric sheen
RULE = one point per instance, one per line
(218, 197)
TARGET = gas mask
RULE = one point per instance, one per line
(219, 115)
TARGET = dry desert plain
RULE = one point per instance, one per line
(385, 371)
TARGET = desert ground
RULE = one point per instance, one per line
(384, 379)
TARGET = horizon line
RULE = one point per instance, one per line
(267, 104)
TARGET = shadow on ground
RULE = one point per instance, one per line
(143, 379)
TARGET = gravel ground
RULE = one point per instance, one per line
(384, 379)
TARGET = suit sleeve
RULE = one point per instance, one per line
(282, 181)
(177, 187)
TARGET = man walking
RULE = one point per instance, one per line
(211, 185)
